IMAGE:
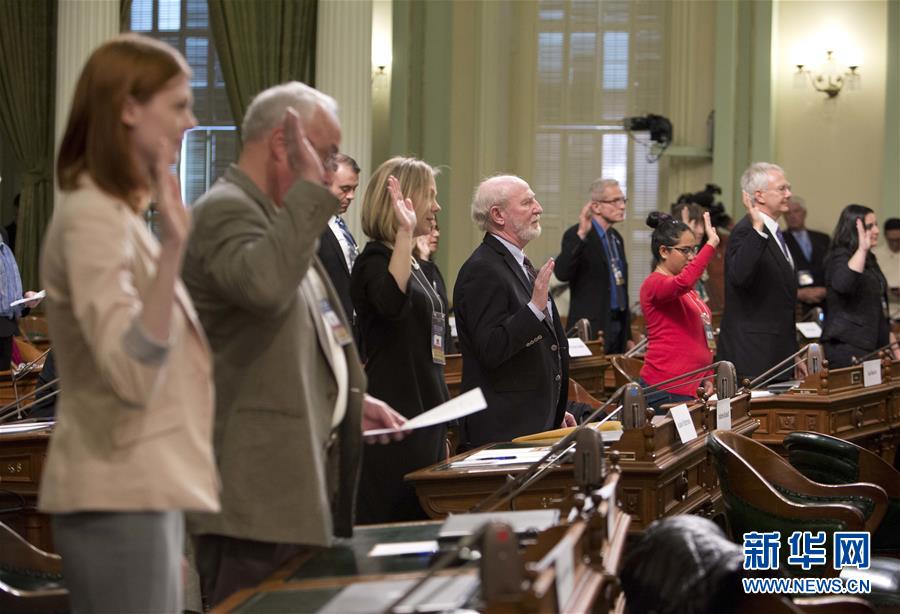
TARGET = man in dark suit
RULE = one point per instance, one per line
(511, 339)
(592, 260)
(337, 247)
(808, 249)
(757, 328)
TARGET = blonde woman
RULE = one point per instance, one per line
(401, 321)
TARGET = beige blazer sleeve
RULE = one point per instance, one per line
(99, 258)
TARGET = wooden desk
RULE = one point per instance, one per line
(835, 402)
(587, 371)
(660, 475)
(308, 582)
(21, 463)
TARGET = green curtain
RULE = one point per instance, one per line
(27, 111)
(261, 44)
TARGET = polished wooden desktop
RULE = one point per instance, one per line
(660, 475)
(836, 402)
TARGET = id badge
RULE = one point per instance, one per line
(334, 322)
(708, 331)
(804, 278)
(437, 339)
(617, 274)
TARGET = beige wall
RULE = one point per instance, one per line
(831, 149)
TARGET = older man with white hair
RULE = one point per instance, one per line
(511, 339)
(290, 399)
(757, 328)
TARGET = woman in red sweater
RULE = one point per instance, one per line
(679, 324)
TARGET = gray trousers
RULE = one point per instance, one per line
(121, 561)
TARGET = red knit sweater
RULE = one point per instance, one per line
(672, 312)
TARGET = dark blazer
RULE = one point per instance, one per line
(855, 309)
(585, 266)
(520, 363)
(816, 264)
(757, 329)
(332, 258)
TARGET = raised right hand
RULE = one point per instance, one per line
(174, 218)
(865, 241)
(712, 237)
(755, 215)
(585, 221)
(403, 207)
(302, 157)
(542, 285)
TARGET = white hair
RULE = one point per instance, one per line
(267, 109)
(598, 185)
(756, 177)
(493, 191)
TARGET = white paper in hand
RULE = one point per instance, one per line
(463, 405)
(22, 301)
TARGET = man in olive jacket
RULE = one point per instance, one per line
(290, 390)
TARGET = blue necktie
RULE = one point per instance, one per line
(351, 242)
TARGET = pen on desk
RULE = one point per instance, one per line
(493, 458)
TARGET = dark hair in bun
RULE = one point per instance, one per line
(666, 232)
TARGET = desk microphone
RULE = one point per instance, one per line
(814, 358)
(634, 407)
(589, 462)
(726, 379)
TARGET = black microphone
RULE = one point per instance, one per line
(634, 407)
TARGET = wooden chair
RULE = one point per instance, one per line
(762, 492)
(579, 394)
(627, 369)
(829, 460)
(30, 579)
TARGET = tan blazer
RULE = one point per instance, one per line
(134, 419)
(283, 477)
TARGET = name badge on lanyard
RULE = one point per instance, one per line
(708, 331)
(334, 323)
(437, 338)
(617, 274)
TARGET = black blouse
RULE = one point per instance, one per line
(395, 328)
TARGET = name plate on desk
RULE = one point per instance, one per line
(810, 330)
(871, 373)
(723, 414)
(681, 415)
(562, 557)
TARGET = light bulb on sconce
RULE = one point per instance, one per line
(831, 77)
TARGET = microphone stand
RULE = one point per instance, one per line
(11, 409)
(875, 352)
(773, 372)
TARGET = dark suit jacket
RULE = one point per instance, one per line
(815, 265)
(520, 362)
(585, 266)
(855, 309)
(757, 328)
(332, 258)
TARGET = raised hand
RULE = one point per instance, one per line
(174, 218)
(865, 240)
(302, 157)
(585, 220)
(403, 207)
(755, 215)
(712, 237)
(542, 285)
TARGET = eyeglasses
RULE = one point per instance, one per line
(687, 252)
(612, 201)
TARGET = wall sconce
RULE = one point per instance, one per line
(831, 78)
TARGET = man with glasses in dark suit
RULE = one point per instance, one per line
(592, 259)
